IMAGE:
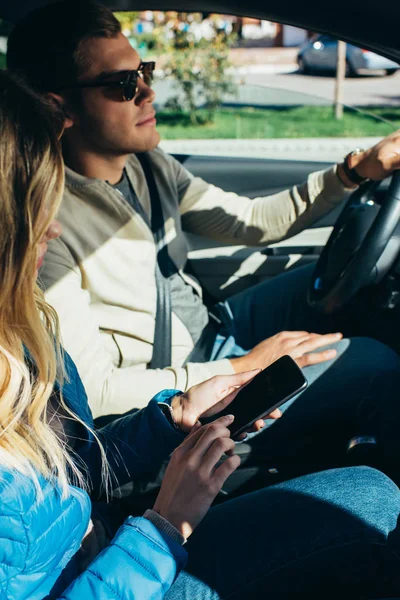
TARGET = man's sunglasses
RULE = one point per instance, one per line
(128, 81)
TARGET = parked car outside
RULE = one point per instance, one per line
(320, 54)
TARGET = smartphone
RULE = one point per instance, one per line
(269, 389)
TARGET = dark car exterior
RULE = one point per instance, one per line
(319, 54)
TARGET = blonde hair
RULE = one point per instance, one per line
(31, 186)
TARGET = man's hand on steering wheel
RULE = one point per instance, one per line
(377, 162)
(365, 241)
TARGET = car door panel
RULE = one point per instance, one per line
(250, 177)
(223, 269)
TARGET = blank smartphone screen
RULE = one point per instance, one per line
(268, 390)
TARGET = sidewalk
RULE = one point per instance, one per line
(307, 149)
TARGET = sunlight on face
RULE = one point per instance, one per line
(107, 123)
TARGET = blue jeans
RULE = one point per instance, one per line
(326, 535)
(355, 394)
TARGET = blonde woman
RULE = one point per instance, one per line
(295, 538)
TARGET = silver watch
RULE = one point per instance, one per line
(168, 412)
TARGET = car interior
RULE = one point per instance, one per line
(356, 247)
(224, 270)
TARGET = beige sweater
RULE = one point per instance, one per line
(99, 275)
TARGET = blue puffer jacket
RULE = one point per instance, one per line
(39, 538)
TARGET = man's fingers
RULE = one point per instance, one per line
(295, 334)
(318, 341)
(260, 424)
(315, 358)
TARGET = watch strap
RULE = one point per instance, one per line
(350, 172)
(168, 412)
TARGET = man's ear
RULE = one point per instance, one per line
(59, 102)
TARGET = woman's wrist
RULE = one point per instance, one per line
(175, 409)
(164, 526)
(176, 406)
(183, 416)
(178, 413)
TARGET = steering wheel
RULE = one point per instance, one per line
(361, 248)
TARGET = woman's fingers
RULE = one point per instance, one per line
(227, 384)
(217, 429)
(224, 470)
(217, 449)
(276, 414)
(192, 438)
(227, 394)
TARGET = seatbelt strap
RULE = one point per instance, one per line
(203, 349)
(162, 344)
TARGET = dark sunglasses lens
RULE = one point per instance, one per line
(130, 87)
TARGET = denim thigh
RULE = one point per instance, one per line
(354, 395)
(280, 304)
(327, 535)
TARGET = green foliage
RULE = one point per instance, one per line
(148, 40)
(2, 61)
(200, 70)
(199, 67)
(127, 19)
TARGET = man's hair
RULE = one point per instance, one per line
(48, 46)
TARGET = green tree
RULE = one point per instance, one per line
(200, 69)
(127, 19)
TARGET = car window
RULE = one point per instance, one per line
(258, 88)
(5, 28)
(326, 39)
(269, 87)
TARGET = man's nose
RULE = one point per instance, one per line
(145, 93)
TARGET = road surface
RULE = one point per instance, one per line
(358, 91)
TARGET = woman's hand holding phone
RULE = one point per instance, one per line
(211, 397)
(193, 479)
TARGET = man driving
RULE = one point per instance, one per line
(132, 318)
